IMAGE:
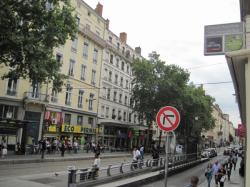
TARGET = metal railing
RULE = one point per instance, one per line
(88, 176)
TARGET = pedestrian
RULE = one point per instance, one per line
(75, 146)
(96, 166)
(215, 168)
(235, 159)
(136, 156)
(62, 148)
(155, 154)
(142, 152)
(221, 176)
(229, 166)
(209, 173)
(193, 181)
(4, 149)
(42, 143)
(97, 149)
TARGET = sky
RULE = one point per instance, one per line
(175, 30)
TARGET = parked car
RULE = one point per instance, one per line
(205, 154)
(211, 152)
(227, 151)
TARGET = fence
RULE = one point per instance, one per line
(90, 176)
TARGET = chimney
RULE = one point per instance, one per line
(107, 23)
(98, 9)
(138, 50)
(123, 37)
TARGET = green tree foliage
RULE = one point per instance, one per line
(156, 85)
(30, 30)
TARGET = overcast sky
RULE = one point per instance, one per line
(175, 30)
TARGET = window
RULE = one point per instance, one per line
(78, 21)
(67, 119)
(54, 95)
(85, 50)
(119, 115)
(102, 111)
(35, 90)
(110, 39)
(120, 98)
(117, 62)
(128, 69)
(118, 45)
(107, 112)
(121, 82)
(59, 58)
(89, 14)
(124, 116)
(110, 76)
(12, 87)
(126, 84)
(123, 50)
(108, 94)
(125, 100)
(95, 56)
(83, 72)
(111, 58)
(79, 120)
(91, 121)
(91, 99)
(80, 98)
(129, 117)
(114, 96)
(122, 66)
(104, 92)
(71, 67)
(68, 95)
(116, 79)
(113, 114)
(8, 111)
(135, 118)
(93, 76)
(74, 44)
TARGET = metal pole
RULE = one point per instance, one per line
(166, 162)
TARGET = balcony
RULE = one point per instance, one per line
(11, 92)
(91, 35)
(33, 97)
(122, 54)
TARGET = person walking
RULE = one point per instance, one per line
(229, 166)
(215, 168)
(155, 154)
(221, 176)
(193, 181)
(4, 149)
(142, 152)
(62, 148)
(209, 173)
(136, 156)
(96, 166)
(235, 159)
(43, 146)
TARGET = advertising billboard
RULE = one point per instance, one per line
(222, 38)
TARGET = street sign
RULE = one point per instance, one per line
(168, 118)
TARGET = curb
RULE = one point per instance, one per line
(59, 159)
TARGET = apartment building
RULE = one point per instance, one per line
(94, 104)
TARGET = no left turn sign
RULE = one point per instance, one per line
(168, 118)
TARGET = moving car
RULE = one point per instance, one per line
(210, 152)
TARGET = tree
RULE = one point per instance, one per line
(30, 31)
(156, 85)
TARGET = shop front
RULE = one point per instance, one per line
(52, 124)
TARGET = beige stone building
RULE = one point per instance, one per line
(98, 64)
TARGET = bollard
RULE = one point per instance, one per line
(147, 163)
(121, 170)
(72, 176)
(132, 167)
(84, 174)
(161, 161)
(108, 170)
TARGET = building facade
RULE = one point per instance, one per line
(94, 104)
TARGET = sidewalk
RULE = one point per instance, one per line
(236, 179)
(56, 157)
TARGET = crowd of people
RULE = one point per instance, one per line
(222, 171)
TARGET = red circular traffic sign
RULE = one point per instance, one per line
(168, 118)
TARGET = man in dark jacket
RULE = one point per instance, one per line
(43, 147)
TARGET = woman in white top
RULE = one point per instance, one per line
(96, 166)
